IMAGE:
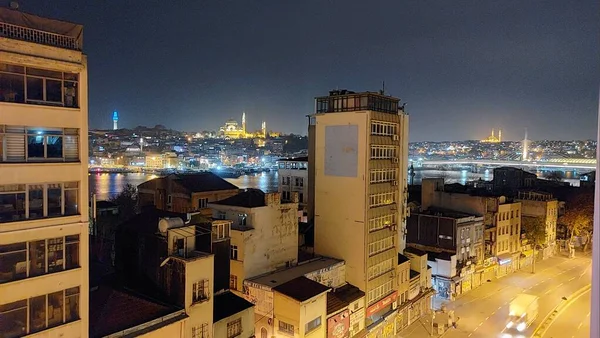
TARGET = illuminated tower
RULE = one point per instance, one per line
(115, 120)
(525, 145)
(500, 135)
(244, 123)
(493, 132)
(264, 128)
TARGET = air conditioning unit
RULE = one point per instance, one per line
(396, 160)
(395, 137)
(394, 183)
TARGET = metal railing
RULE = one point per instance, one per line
(37, 36)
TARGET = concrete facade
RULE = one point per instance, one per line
(263, 238)
(291, 313)
(545, 206)
(357, 158)
(293, 177)
(44, 270)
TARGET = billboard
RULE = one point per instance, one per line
(338, 326)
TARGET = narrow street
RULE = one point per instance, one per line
(483, 311)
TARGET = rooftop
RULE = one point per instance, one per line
(447, 213)
(346, 100)
(301, 288)
(402, 259)
(414, 251)
(274, 279)
(18, 25)
(414, 274)
(205, 181)
(227, 304)
(113, 310)
(341, 297)
(250, 198)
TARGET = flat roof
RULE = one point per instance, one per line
(277, 278)
(301, 288)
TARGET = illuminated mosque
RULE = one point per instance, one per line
(232, 130)
(492, 138)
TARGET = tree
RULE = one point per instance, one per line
(534, 229)
(107, 225)
(579, 216)
(555, 176)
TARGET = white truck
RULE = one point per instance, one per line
(523, 310)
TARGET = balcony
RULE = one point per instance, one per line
(18, 32)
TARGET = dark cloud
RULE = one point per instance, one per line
(462, 66)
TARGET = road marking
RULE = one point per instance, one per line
(486, 318)
(580, 324)
(547, 292)
(571, 279)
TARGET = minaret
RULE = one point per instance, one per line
(500, 135)
(244, 122)
(493, 132)
(115, 120)
(264, 128)
(525, 146)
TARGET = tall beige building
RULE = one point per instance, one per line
(358, 146)
(44, 281)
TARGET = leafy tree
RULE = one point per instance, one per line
(127, 201)
(555, 176)
(579, 216)
(534, 229)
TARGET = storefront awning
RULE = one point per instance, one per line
(504, 258)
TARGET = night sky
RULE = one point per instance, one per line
(463, 67)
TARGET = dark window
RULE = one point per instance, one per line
(54, 146)
(12, 88)
(35, 88)
(55, 254)
(36, 201)
(35, 146)
(37, 313)
(72, 304)
(71, 192)
(72, 252)
(13, 262)
(13, 319)
(12, 206)
(54, 90)
(54, 200)
(55, 308)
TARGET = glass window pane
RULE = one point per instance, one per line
(54, 146)
(12, 88)
(12, 207)
(54, 200)
(13, 262)
(55, 254)
(13, 319)
(35, 89)
(44, 73)
(4, 67)
(37, 258)
(53, 90)
(36, 201)
(72, 304)
(71, 94)
(71, 202)
(35, 146)
(72, 255)
(71, 76)
(55, 308)
(37, 313)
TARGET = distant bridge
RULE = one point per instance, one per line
(586, 164)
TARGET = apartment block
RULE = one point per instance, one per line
(544, 206)
(44, 269)
(293, 177)
(357, 175)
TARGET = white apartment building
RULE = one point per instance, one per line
(293, 177)
(44, 281)
(358, 177)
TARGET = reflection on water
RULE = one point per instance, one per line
(106, 185)
(109, 185)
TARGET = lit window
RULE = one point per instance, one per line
(234, 328)
(286, 328)
(313, 324)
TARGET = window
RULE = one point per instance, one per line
(234, 328)
(202, 203)
(382, 175)
(384, 198)
(377, 293)
(381, 245)
(512, 214)
(169, 199)
(14, 319)
(200, 331)
(383, 152)
(301, 197)
(286, 195)
(37, 313)
(55, 308)
(299, 182)
(12, 202)
(286, 328)
(221, 215)
(45, 256)
(242, 219)
(381, 268)
(27, 144)
(45, 200)
(72, 304)
(313, 324)
(221, 230)
(383, 128)
(233, 282)
(200, 291)
(43, 86)
(234, 252)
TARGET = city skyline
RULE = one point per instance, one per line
(466, 61)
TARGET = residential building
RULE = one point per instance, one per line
(502, 220)
(508, 180)
(118, 312)
(358, 144)
(179, 258)
(345, 311)
(264, 233)
(185, 192)
(44, 270)
(417, 282)
(324, 271)
(293, 177)
(587, 180)
(545, 206)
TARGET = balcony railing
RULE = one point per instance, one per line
(37, 36)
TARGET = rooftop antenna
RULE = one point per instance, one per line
(382, 91)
